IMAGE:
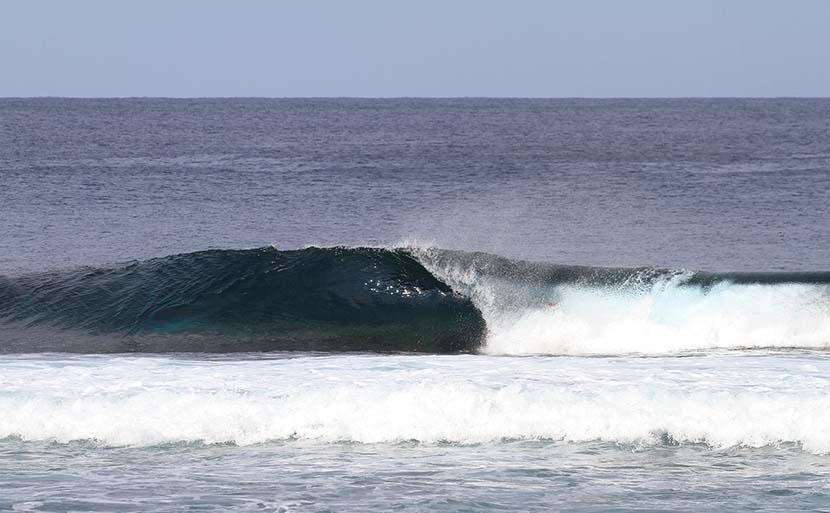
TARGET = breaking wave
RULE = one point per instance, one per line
(405, 299)
(538, 308)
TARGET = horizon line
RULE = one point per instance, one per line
(150, 97)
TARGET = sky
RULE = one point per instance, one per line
(423, 48)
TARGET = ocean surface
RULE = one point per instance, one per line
(414, 305)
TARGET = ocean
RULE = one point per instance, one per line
(414, 305)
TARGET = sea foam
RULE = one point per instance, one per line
(540, 309)
(720, 401)
(666, 319)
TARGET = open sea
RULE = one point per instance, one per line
(457, 305)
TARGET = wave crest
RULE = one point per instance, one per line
(405, 299)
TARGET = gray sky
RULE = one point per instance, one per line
(373, 48)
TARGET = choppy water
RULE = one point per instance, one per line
(599, 357)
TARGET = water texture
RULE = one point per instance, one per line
(414, 305)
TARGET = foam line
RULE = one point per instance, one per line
(720, 401)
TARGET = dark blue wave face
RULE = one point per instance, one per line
(343, 299)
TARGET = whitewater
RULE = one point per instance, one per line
(311, 357)
(538, 308)
(720, 401)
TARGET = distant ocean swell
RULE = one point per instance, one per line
(405, 299)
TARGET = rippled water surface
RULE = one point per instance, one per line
(583, 388)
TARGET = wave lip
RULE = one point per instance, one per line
(540, 308)
(341, 299)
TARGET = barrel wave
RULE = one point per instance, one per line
(407, 299)
(314, 299)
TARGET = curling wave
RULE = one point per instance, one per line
(405, 299)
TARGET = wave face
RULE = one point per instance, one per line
(241, 300)
(720, 401)
(539, 308)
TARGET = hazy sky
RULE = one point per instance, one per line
(415, 48)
